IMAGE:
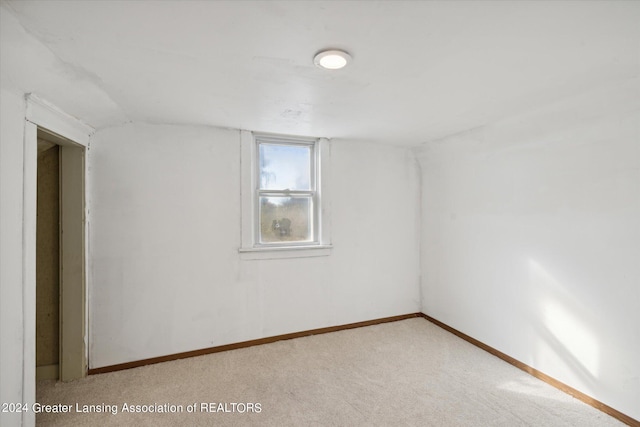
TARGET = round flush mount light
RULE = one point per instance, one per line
(332, 59)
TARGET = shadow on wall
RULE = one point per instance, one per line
(561, 327)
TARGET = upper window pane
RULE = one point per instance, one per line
(285, 167)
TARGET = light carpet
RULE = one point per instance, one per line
(409, 372)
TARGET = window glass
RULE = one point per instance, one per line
(285, 167)
(286, 219)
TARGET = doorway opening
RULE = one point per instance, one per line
(60, 259)
(48, 261)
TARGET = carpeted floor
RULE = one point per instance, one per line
(403, 373)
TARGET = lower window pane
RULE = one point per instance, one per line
(286, 219)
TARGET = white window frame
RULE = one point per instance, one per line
(251, 247)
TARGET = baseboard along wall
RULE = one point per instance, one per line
(250, 343)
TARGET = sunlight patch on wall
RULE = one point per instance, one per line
(573, 336)
(564, 331)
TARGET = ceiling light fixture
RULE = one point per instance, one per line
(332, 59)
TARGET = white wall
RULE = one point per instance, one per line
(166, 276)
(531, 239)
(12, 109)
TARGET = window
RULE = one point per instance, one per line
(285, 196)
(286, 193)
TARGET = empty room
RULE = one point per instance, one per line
(346, 213)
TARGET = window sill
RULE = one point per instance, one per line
(284, 252)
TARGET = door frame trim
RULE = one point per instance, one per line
(68, 132)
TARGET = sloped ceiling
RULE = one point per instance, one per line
(421, 70)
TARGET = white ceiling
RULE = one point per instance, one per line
(420, 70)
